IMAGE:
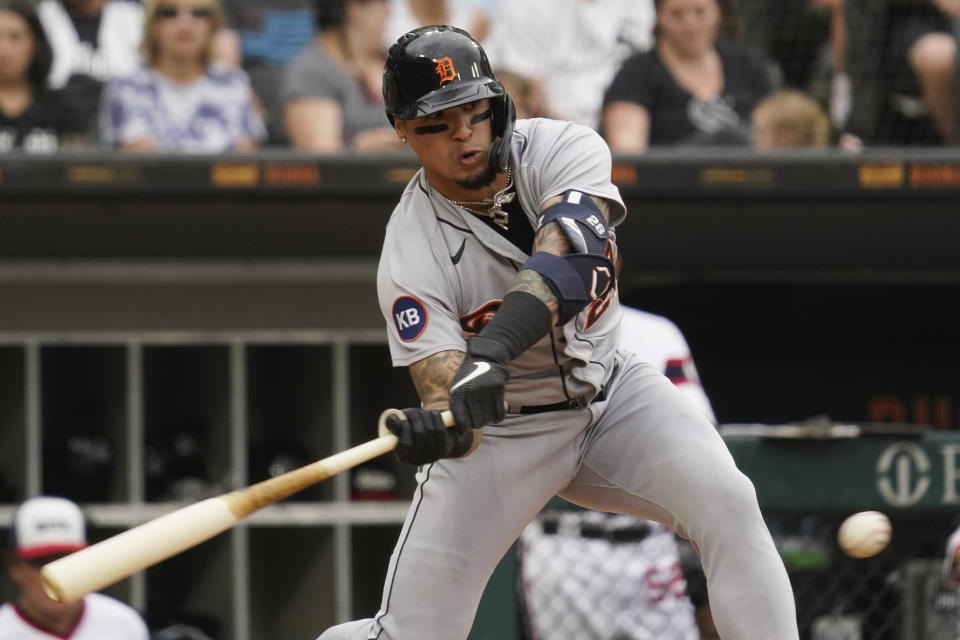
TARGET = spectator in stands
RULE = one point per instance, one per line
(263, 38)
(691, 88)
(473, 16)
(526, 93)
(332, 93)
(33, 118)
(179, 99)
(789, 118)
(92, 42)
(44, 529)
(919, 47)
(572, 48)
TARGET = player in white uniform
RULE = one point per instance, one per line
(496, 279)
(45, 528)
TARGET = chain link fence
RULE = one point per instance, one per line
(592, 576)
(899, 594)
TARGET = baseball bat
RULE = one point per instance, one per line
(70, 578)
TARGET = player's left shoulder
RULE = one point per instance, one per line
(546, 145)
(105, 610)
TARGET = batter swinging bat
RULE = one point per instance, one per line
(71, 577)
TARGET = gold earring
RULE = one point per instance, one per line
(403, 139)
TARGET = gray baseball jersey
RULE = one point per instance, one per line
(443, 271)
(639, 448)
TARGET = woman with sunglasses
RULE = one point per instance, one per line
(180, 99)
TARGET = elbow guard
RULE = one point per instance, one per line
(586, 274)
(576, 279)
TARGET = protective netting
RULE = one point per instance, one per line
(860, 60)
(860, 73)
(586, 575)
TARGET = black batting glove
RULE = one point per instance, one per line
(422, 438)
(476, 395)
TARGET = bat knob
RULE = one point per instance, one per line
(382, 429)
(51, 589)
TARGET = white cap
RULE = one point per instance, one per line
(47, 525)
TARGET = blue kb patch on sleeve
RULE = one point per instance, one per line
(409, 317)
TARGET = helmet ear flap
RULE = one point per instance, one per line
(504, 116)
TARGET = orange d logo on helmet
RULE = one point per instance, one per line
(445, 70)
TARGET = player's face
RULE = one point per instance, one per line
(16, 47)
(453, 145)
(183, 28)
(689, 26)
(26, 573)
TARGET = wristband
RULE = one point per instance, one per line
(518, 324)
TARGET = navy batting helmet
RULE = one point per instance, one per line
(437, 67)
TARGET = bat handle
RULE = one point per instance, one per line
(383, 430)
(445, 415)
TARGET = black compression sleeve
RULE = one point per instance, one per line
(518, 324)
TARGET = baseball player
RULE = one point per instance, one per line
(497, 282)
(45, 528)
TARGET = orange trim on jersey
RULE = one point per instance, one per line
(474, 321)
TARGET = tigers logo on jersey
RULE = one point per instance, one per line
(474, 321)
(445, 70)
(598, 305)
(409, 317)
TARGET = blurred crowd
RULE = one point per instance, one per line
(214, 76)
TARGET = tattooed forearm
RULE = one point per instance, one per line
(533, 283)
(551, 239)
(433, 376)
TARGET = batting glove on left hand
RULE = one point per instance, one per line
(476, 395)
(423, 438)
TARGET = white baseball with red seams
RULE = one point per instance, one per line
(864, 534)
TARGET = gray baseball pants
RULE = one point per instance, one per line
(644, 451)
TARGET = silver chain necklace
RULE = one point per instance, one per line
(493, 205)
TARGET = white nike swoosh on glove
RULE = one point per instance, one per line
(481, 368)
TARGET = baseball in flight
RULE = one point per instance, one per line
(864, 534)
